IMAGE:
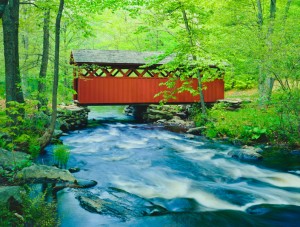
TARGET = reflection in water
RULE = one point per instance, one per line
(179, 174)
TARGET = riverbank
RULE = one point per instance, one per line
(276, 124)
(239, 119)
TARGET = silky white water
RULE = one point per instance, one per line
(159, 165)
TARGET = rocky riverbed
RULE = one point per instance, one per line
(177, 118)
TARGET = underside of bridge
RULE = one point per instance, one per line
(122, 77)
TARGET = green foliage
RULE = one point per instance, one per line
(8, 218)
(240, 82)
(23, 126)
(34, 211)
(253, 133)
(287, 109)
(38, 212)
(34, 147)
(22, 164)
(61, 155)
(251, 124)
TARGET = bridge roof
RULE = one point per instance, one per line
(116, 57)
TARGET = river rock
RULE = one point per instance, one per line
(197, 130)
(161, 121)
(182, 115)
(245, 154)
(44, 174)
(10, 159)
(119, 203)
(154, 113)
(286, 215)
(295, 152)
(74, 170)
(190, 136)
(253, 149)
(233, 104)
(57, 133)
(83, 183)
(92, 203)
(177, 121)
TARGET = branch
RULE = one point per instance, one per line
(30, 3)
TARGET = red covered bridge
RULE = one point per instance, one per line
(106, 77)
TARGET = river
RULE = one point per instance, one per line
(194, 181)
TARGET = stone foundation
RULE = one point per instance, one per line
(168, 115)
(72, 117)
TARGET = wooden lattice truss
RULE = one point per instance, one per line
(109, 71)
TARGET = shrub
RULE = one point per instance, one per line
(61, 155)
(32, 212)
(251, 124)
(23, 126)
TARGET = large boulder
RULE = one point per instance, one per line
(44, 174)
(177, 122)
(10, 194)
(118, 203)
(83, 183)
(93, 204)
(197, 130)
(9, 160)
(247, 153)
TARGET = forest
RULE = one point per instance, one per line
(254, 44)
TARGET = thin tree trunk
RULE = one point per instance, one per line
(260, 19)
(200, 85)
(11, 52)
(265, 82)
(45, 139)
(261, 76)
(44, 65)
(25, 55)
(287, 9)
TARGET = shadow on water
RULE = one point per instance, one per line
(148, 176)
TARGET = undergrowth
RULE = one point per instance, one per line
(276, 124)
(20, 127)
(32, 211)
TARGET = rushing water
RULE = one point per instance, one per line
(194, 180)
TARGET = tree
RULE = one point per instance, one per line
(265, 82)
(45, 58)
(191, 37)
(184, 21)
(44, 140)
(11, 52)
(3, 4)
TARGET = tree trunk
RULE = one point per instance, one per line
(265, 82)
(260, 19)
(45, 139)
(44, 65)
(2, 7)
(11, 52)
(200, 85)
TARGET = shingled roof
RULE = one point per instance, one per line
(116, 57)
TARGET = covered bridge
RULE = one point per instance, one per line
(114, 77)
